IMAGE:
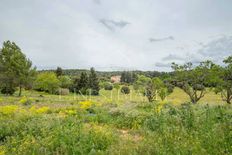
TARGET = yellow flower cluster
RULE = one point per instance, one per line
(64, 113)
(8, 110)
(25, 100)
(159, 107)
(85, 104)
(41, 110)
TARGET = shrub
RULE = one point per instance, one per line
(9, 90)
(108, 86)
(25, 100)
(125, 90)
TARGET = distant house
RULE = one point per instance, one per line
(115, 79)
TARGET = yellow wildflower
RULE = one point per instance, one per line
(86, 104)
(8, 110)
(43, 110)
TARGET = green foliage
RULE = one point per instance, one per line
(82, 85)
(53, 136)
(125, 90)
(59, 71)
(48, 82)
(193, 80)
(26, 100)
(65, 81)
(93, 82)
(163, 93)
(153, 89)
(224, 85)
(117, 86)
(15, 69)
(128, 77)
(108, 86)
(141, 83)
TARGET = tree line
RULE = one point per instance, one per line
(17, 72)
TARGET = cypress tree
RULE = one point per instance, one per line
(93, 82)
(59, 71)
(83, 83)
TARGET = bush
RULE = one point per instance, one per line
(8, 90)
(125, 90)
(25, 101)
(108, 86)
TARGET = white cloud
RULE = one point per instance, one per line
(69, 34)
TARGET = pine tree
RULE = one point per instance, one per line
(15, 69)
(93, 82)
(82, 85)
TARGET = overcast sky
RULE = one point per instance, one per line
(118, 34)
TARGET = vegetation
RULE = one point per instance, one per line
(194, 80)
(93, 82)
(224, 85)
(15, 69)
(155, 113)
(59, 71)
(47, 82)
(125, 90)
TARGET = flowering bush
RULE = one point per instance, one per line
(25, 100)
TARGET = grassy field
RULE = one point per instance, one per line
(114, 123)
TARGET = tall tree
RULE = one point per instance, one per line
(93, 82)
(59, 71)
(15, 69)
(83, 83)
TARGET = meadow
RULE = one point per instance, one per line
(114, 123)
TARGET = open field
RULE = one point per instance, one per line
(112, 124)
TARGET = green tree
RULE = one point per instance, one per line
(193, 80)
(128, 77)
(48, 82)
(152, 89)
(65, 81)
(93, 82)
(15, 68)
(59, 71)
(224, 86)
(141, 83)
(82, 85)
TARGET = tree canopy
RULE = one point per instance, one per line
(15, 68)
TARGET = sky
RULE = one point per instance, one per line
(118, 34)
